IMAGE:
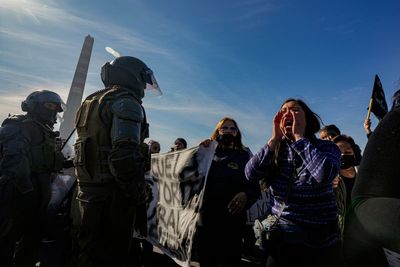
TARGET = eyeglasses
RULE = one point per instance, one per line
(225, 128)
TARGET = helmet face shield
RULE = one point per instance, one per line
(152, 87)
(131, 73)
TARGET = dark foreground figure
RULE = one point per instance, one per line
(28, 156)
(374, 223)
(110, 165)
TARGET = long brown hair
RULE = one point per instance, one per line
(237, 143)
(313, 123)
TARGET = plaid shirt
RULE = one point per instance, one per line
(310, 166)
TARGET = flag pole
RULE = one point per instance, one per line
(369, 108)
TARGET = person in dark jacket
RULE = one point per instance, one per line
(227, 196)
(28, 156)
(374, 222)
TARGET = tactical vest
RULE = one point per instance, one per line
(93, 125)
(43, 157)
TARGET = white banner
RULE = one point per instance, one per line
(178, 180)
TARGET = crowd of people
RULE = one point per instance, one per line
(330, 205)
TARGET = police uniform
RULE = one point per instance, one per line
(110, 158)
(28, 156)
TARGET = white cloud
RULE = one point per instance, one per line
(32, 38)
(52, 16)
(57, 25)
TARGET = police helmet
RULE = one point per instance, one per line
(48, 99)
(129, 72)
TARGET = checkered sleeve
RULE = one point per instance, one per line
(257, 166)
(321, 158)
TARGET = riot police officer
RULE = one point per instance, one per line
(110, 159)
(28, 156)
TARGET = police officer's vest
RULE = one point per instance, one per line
(43, 157)
(93, 125)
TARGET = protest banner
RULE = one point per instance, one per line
(178, 180)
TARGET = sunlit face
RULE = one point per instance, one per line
(288, 110)
(324, 135)
(345, 148)
(178, 145)
(228, 127)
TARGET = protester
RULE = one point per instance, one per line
(329, 132)
(154, 147)
(367, 127)
(110, 164)
(28, 156)
(374, 223)
(300, 169)
(227, 196)
(344, 182)
(179, 144)
(347, 171)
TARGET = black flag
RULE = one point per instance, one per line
(379, 106)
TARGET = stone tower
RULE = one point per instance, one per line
(76, 92)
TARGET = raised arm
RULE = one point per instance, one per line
(258, 165)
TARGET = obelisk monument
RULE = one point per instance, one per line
(76, 92)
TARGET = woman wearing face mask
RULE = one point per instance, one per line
(227, 196)
(347, 171)
(300, 169)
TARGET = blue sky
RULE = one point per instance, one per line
(211, 58)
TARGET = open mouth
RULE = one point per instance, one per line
(288, 123)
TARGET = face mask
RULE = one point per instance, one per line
(347, 161)
(226, 139)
